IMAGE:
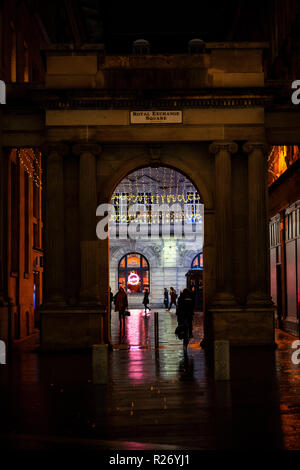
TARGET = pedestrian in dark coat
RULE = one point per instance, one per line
(185, 310)
(111, 297)
(166, 298)
(146, 300)
(121, 304)
(173, 297)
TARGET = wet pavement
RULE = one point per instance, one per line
(154, 399)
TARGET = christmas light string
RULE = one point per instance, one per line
(138, 195)
(30, 160)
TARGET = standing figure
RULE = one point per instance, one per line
(185, 315)
(166, 298)
(146, 300)
(121, 303)
(111, 296)
(173, 296)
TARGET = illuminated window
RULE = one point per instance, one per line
(134, 273)
(197, 262)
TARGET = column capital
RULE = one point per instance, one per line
(86, 147)
(249, 147)
(219, 145)
(55, 147)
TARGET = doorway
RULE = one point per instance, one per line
(156, 231)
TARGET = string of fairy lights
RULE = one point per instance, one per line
(146, 188)
(30, 160)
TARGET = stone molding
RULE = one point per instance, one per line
(184, 103)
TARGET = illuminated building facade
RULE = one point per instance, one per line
(284, 197)
(166, 253)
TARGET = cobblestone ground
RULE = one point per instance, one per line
(155, 399)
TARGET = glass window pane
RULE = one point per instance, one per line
(133, 260)
(122, 263)
(146, 280)
(122, 280)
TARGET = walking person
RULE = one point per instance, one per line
(121, 304)
(146, 300)
(185, 315)
(173, 297)
(166, 298)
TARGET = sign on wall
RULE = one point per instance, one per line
(155, 117)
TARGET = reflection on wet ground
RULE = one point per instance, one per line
(155, 399)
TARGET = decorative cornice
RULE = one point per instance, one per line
(144, 103)
(218, 146)
(86, 147)
(249, 147)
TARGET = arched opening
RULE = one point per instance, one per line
(197, 262)
(195, 280)
(156, 229)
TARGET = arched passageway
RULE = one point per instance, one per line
(158, 215)
(236, 299)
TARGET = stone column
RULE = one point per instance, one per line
(87, 220)
(223, 217)
(258, 229)
(54, 227)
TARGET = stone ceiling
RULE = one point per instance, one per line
(167, 29)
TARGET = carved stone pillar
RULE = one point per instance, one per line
(54, 229)
(87, 219)
(223, 218)
(258, 230)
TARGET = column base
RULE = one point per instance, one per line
(224, 299)
(87, 299)
(241, 326)
(55, 302)
(257, 298)
(71, 327)
(89, 303)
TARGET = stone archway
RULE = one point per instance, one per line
(153, 156)
(237, 306)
